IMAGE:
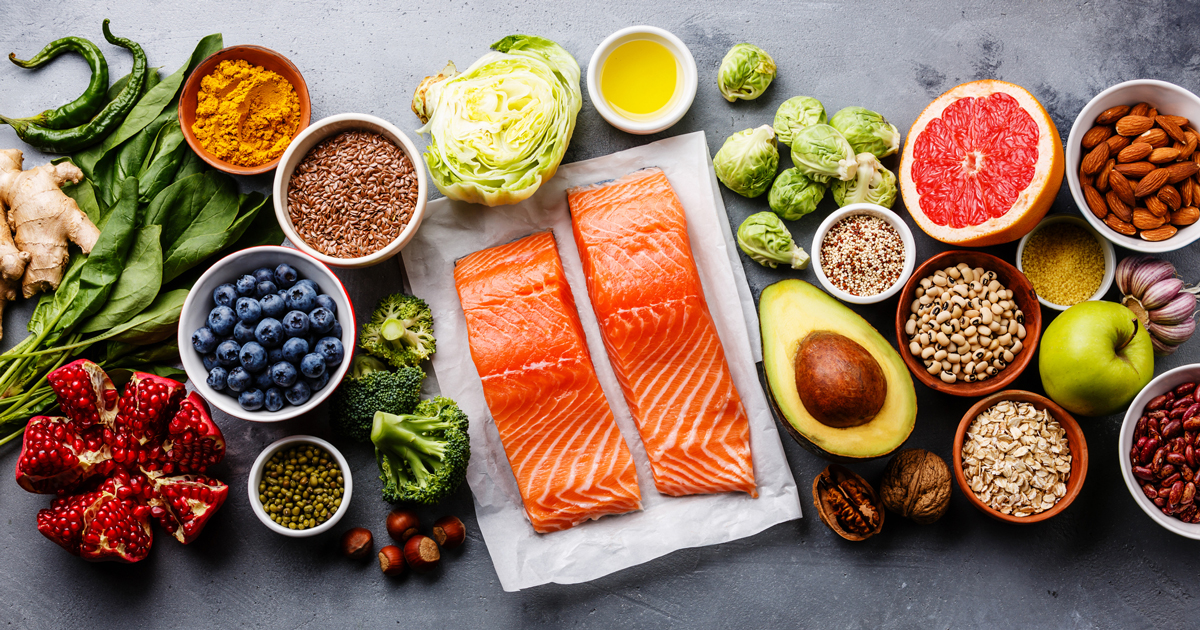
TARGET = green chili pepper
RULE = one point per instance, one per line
(81, 109)
(109, 118)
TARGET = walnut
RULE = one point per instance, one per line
(916, 485)
(847, 503)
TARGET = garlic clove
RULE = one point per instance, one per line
(1161, 292)
(1173, 334)
(1148, 273)
(1180, 308)
(1161, 349)
(1125, 270)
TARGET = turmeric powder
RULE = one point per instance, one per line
(245, 115)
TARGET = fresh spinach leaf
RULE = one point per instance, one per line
(138, 285)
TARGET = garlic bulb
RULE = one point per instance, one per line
(1162, 302)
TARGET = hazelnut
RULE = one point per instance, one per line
(356, 543)
(422, 553)
(391, 560)
(916, 485)
(402, 525)
(449, 532)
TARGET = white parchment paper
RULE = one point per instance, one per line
(523, 558)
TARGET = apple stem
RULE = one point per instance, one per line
(1130, 337)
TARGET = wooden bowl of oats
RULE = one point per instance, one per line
(1010, 461)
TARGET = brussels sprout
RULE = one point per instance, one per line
(795, 114)
(748, 160)
(794, 194)
(821, 152)
(872, 183)
(867, 131)
(745, 73)
(766, 240)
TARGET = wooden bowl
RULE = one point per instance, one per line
(1075, 440)
(1024, 296)
(254, 55)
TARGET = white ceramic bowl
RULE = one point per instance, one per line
(1161, 385)
(1169, 99)
(200, 301)
(910, 251)
(685, 90)
(311, 137)
(1110, 257)
(256, 473)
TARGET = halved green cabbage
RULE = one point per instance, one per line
(499, 129)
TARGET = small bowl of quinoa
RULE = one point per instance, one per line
(1066, 261)
(350, 190)
(863, 253)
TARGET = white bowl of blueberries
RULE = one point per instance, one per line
(265, 333)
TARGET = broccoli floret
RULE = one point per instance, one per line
(400, 331)
(422, 456)
(369, 387)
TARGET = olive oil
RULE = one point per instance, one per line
(639, 79)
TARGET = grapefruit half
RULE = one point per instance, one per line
(981, 165)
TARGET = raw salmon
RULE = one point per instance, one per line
(558, 431)
(661, 340)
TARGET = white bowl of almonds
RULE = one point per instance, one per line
(350, 190)
(1141, 148)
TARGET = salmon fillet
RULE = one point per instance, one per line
(661, 340)
(558, 431)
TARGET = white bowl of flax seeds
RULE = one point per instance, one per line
(350, 190)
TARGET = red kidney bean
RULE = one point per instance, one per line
(1189, 454)
(1185, 389)
(1160, 502)
(1191, 424)
(1185, 401)
(1142, 442)
(1177, 413)
(1188, 473)
(1148, 450)
(1141, 472)
(1192, 410)
(1172, 428)
(1150, 492)
(1157, 402)
(1176, 458)
(1157, 415)
(1171, 479)
(1189, 494)
(1176, 493)
(1152, 424)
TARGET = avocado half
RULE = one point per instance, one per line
(789, 312)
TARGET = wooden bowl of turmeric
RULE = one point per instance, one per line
(241, 107)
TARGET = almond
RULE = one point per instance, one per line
(1186, 215)
(1112, 114)
(1095, 159)
(1146, 220)
(1178, 120)
(1151, 182)
(1152, 113)
(1187, 191)
(1119, 226)
(1117, 206)
(1180, 171)
(1135, 152)
(1157, 208)
(1136, 170)
(1095, 136)
(1159, 234)
(1141, 109)
(1116, 143)
(1103, 175)
(1118, 184)
(1134, 125)
(1188, 147)
(1170, 195)
(1163, 155)
(1155, 138)
(1095, 201)
(1170, 127)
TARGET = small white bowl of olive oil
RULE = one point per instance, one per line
(642, 79)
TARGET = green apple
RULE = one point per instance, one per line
(1095, 357)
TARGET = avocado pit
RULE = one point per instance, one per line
(840, 383)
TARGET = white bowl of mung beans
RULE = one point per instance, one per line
(300, 486)
(350, 190)
(1067, 261)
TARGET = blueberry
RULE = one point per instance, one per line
(217, 377)
(221, 320)
(331, 350)
(274, 399)
(298, 394)
(225, 294)
(251, 399)
(275, 355)
(283, 374)
(238, 380)
(295, 324)
(310, 283)
(243, 331)
(312, 365)
(320, 320)
(264, 289)
(264, 274)
(301, 298)
(253, 357)
(324, 301)
(282, 293)
(273, 305)
(285, 276)
(263, 381)
(248, 310)
(269, 332)
(210, 360)
(227, 352)
(204, 340)
(245, 286)
(336, 331)
(294, 350)
(315, 384)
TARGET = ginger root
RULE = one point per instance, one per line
(43, 219)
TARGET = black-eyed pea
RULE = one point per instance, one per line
(915, 348)
(994, 326)
(928, 352)
(986, 316)
(920, 292)
(947, 366)
(934, 367)
(1005, 339)
(1012, 326)
(970, 378)
(940, 355)
(924, 339)
(940, 280)
(943, 339)
(958, 339)
(1020, 330)
(984, 331)
(947, 329)
(942, 316)
(957, 369)
(954, 272)
(954, 358)
(910, 327)
(995, 345)
(1016, 347)
(991, 370)
(926, 283)
(968, 368)
(956, 310)
(948, 377)
(996, 310)
(1007, 355)
(998, 364)
(969, 332)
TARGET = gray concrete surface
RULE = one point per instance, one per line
(1101, 564)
